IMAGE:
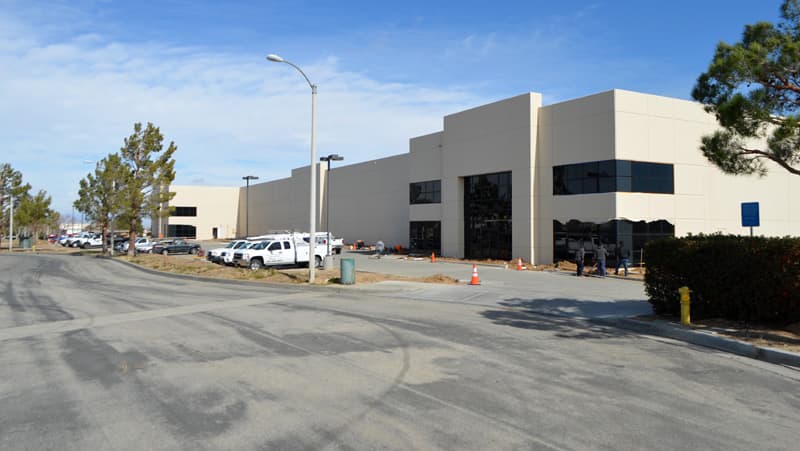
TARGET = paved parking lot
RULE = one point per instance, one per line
(96, 355)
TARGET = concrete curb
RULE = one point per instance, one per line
(705, 339)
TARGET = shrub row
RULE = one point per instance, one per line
(732, 277)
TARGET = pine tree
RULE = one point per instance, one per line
(34, 212)
(10, 185)
(753, 88)
(100, 194)
(151, 170)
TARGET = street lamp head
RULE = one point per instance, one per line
(275, 58)
(250, 177)
(332, 157)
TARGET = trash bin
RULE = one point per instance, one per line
(25, 241)
(347, 271)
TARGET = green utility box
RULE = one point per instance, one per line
(347, 274)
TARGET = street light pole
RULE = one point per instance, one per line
(11, 224)
(247, 178)
(334, 157)
(312, 257)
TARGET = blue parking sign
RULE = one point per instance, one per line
(750, 214)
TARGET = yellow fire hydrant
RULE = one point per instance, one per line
(685, 305)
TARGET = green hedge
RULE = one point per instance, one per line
(733, 277)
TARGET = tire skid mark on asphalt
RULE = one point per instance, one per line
(121, 318)
(375, 401)
(654, 410)
(397, 383)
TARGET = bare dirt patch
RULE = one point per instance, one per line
(785, 338)
(199, 267)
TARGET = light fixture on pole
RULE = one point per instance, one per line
(247, 178)
(328, 159)
(312, 173)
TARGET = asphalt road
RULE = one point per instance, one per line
(96, 355)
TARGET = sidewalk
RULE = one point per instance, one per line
(611, 301)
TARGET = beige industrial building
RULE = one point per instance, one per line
(515, 179)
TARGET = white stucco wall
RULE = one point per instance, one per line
(217, 206)
(368, 201)
(667, 130)
(570, 132)
(492, 138)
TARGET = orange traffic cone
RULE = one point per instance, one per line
(519, 265)
(433, 257)
(475, 279)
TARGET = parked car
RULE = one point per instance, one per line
(78, 240)
(176, 247)
(215, 255)
(146, 247)
(93, 242)
(138, 244)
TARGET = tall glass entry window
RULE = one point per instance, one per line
(487, 216)
(425, 236)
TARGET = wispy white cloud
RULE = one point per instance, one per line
(73, 99)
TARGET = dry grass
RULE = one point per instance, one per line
(199, 267)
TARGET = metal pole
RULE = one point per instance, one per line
(312, 257)
(247, 209)
(111, 251)
(312, 169)
(11, 226)
(328, 204)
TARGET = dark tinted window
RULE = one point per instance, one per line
(187, 231)
(425, 192)
(185, 211)
(425, 235)
(610, 176)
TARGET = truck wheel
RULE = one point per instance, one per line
(318, 261)
(165, 252)
(193, 251)
(255, 264)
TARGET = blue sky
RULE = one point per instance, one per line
(76, 75)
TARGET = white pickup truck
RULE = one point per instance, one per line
(281, 250)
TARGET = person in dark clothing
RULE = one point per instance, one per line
(601, 255)
(623, 255)
(580, 254)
